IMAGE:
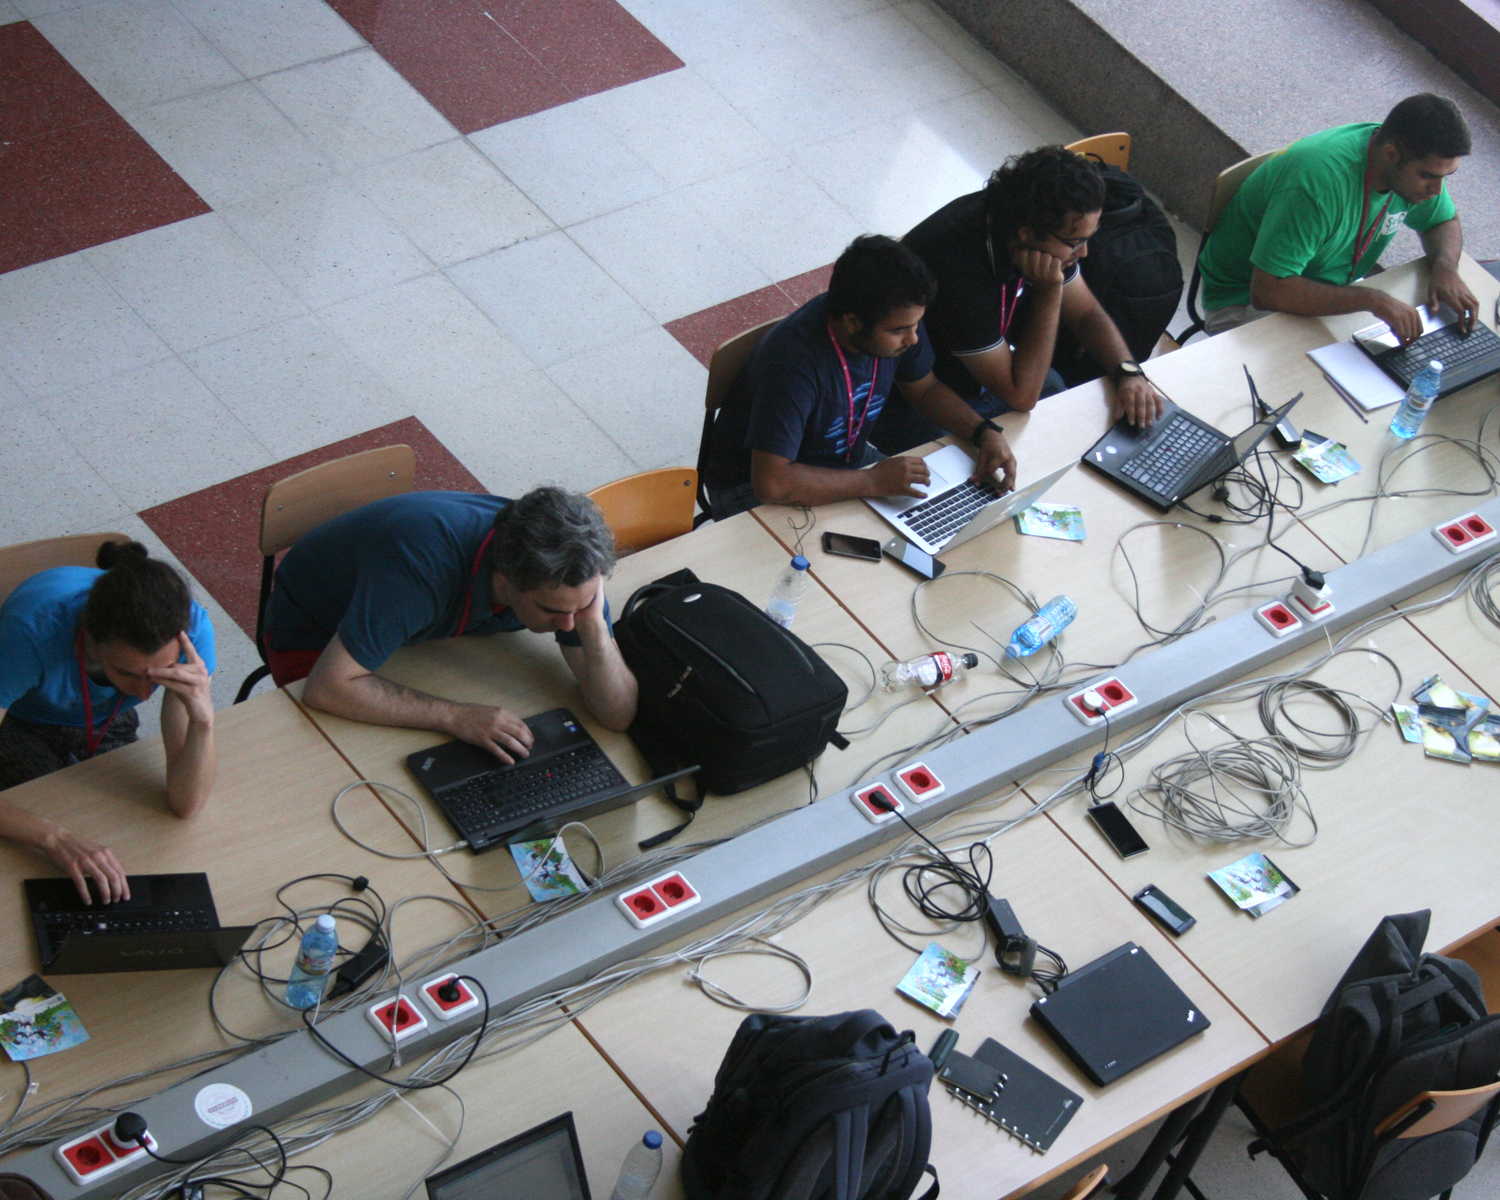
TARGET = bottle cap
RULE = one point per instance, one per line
(800, 563)
(325, 922)
(1436, 364)
(970, 661)
(652, 1139)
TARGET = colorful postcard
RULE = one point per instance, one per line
(940, 980)
(1445, 732)
(1052, 520)
(36, 1020)
(1406, 721)
(1434, 691)
(547, 870)
(1328, 460)
(1255, 884)
(1484, 740)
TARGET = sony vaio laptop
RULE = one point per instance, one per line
(1118, 1013)
(566, 777)
(1175, 455)
(1466, 357)
(541, 1164)
(169, 923)
(956, 509)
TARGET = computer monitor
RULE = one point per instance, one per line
(541, 1164)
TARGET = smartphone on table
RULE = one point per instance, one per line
(848, 546)
(917, 560)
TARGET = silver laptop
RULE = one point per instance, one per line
(954, 509)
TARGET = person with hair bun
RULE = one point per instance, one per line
(79, 649)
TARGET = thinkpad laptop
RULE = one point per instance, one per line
(169, 923)
(566, 777)
(1176, 455)
(956, 509)
(541, 1164)
(1466, 357)
(1118, 1013)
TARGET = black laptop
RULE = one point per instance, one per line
(1176, 455)
(566, 777)
(1118, 1013)
(541, 1164)
(169, 923)
(1466, 357)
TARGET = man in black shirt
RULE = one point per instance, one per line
(1007, 265)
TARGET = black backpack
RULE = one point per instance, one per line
(724, 686)
(1399, 1023)
(814, 1108)
(1132, 269)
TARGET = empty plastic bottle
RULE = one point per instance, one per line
(314, 963)
(1418, 399)
(642, 1166)
(1042, 628)
(927, 671)
(782, 606)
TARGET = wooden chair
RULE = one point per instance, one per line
(298, 504)
(20, 562)
(723, 369)
(648, 508)
(1090, 1185)
(1111, 148)
(1225, 186)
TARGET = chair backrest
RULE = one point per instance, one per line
(729, 360)
(1112, 148)
(300, 503)
(648, 508)
(1438, 1111)
(1228, 183)
(1090, 1184)
(20, 562)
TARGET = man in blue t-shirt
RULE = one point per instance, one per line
(429, 565)
(795, 428)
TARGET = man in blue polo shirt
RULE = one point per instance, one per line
(796, 426)
(429, 565)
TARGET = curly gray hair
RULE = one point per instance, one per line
(551, 538)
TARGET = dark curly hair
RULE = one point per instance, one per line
(1426, 124)
(1038, 190)
(876, 275)
(139, 600)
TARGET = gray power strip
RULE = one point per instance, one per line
(295, 1073)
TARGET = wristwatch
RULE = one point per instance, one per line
(1126, 370)
(978, 435)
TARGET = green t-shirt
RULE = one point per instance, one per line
(1299, 214)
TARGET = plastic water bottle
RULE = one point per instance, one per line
(927, 671)
(782, 606)
(314, 964)
(642, 1166)
(1053, 618)
(1418, 399)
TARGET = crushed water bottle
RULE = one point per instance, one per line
(314, 964)
(1050, 621)
(927, 671)
(782, 606)
(1418, 399)
(642, 1166)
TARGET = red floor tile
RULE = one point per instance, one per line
(705, 331)
(216, 532)
(590, 45)
(39, 91)
(804, 287)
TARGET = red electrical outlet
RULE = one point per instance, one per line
(1114, 697)
(919, 783)
(121, 1151)
(1464, 533)
(655, 901)
(861, 801)
(93, 1155)
(398, 1018)
(446, 1010)
(1278, 618)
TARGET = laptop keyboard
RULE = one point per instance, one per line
(1172, 455)
(61, 925)
(1450, 347)
(521, 791)
(938, 519)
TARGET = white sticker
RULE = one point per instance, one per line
(220, 1105)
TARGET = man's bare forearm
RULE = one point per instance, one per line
(1444, 243)
(608, 686)
(378, 701)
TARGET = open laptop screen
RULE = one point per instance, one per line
(541, 1164)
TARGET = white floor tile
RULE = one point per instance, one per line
(681, 127)
(645, 392)
(166, 434)
(47, 489)
(9, 14)
(32, 9)
(896, 66)
(194, 281)
(327, 242)
(668, 257)
(776, 216)
(550, 298)
(10, 392)
(697, 32)
(273, 34)
(230, 145)
(953, 39)
(295, 386)
(569, 162)
(1051, 127)
(355, 109)
(62, 325)
(137, 52)
(452, 202)
(427, 342)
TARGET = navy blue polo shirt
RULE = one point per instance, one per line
(390, 574)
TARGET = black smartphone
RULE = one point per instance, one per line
(851, 547)
(918, 560)
(1118, 830)
(1166, 911)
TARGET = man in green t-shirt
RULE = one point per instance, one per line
(1311, 221)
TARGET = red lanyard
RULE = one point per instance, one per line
(92, 739)
(1363, 239)
(853, 430)
(463, 620)
(1007, 313)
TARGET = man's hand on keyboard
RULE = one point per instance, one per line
(1446, 287)
(901, 475)
(1404, 320)
(1135, 400)
(83, 859)
(497, 730)
(995, 457)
